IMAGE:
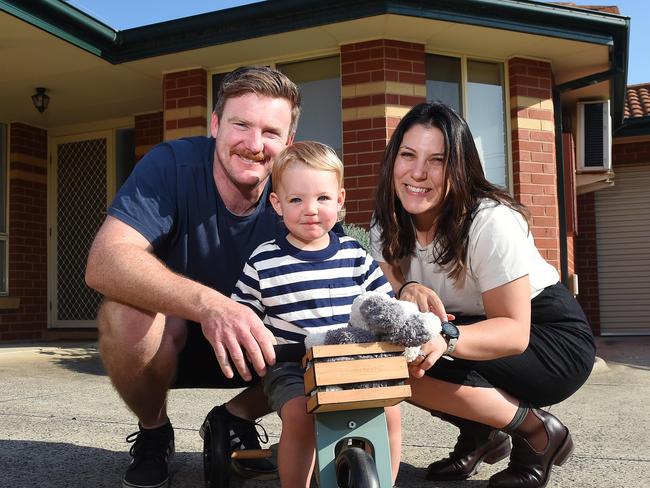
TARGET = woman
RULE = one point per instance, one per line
(455, 244)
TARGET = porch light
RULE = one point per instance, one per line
(40, 99)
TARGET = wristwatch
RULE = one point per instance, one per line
(450, 333)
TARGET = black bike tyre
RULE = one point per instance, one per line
(216, 457)
(355, 468)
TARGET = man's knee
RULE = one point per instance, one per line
(130, 326)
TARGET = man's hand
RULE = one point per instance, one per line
(237, 334)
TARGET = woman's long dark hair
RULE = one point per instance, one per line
(465, 186)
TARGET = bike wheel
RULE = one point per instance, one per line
(355, 468)
(216, 456)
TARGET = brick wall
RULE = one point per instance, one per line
(27, 317)
(631, 150)
(586, 262)
(185, 98)
(533, 151)
(148, 132)
(381, 80)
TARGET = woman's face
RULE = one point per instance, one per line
(419, 172)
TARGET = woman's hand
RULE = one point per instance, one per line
(426, 299)
(430, 352)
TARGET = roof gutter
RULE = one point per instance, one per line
(66, 22)
(273, 17)
(634, 127)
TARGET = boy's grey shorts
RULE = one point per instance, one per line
(283, 382)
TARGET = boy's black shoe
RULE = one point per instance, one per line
(151, 451)
(243, 435)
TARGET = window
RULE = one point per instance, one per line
(481, 100)
(320, 86)
(4, 143)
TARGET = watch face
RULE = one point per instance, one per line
(450, 330)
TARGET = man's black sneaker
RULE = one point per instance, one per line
(151, 451)
(243, 435)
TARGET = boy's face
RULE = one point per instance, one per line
(309, 201)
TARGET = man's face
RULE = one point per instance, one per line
(251, 132)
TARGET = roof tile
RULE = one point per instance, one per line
(637, 101)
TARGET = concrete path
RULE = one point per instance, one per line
(62, 424)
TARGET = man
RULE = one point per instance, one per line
(168, 256)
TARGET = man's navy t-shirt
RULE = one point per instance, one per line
(171, 199)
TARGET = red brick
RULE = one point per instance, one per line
(356, 78)
(542, 157)
(371, 65)
(357, 124)
(543, 179)
(192, 122)
(537, 114)
(537, 135)
(192, 102)
(418, 78)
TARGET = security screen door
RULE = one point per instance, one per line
(80, 187)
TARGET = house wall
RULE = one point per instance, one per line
(185, 100)
(533, 151)
(24, 313)
(586, 261)
(630, 150)
(148, 132)
(381, 80)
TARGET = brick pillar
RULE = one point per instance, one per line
(148, 132)
(185, 99)
(26, 315)
(381, 80)
(533, 151)
(587, 259)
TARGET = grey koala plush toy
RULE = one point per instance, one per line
(377, 317)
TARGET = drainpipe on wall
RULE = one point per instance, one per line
(559, 156)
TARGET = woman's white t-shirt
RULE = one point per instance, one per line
(500, 250)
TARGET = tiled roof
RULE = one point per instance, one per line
(610, 9)
(637, 101)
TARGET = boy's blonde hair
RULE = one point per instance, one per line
(311, 153)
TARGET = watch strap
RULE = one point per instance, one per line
(451, 345)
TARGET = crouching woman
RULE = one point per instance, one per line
(453, 243)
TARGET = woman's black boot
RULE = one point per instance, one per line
(476, 443)
(530, 467)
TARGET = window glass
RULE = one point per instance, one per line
(320, 86)
(486, 117)
(444, 80)
(485, 111)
